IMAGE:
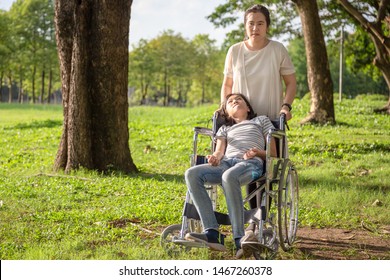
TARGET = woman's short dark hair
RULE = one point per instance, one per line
(258, 9)
(224, 113)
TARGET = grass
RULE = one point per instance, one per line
(342, 169)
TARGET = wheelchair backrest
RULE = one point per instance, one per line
(218, 121)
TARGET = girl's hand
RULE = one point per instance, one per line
(213, 160)
(251, 153)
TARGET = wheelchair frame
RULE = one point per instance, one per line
(276, 193)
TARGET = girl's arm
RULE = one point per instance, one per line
(219, 152)
(254, 152)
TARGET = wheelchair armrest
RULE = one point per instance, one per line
(281, 136)
(277, 133)
(203, 131)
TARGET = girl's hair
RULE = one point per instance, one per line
(257, 9)
(229, 120)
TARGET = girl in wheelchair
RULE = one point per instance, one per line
(237, 160)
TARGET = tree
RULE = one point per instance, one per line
(359, 74)
(175, 57)
(142, 68)
(204, 70)
(34, 38)
(5, 49)
(296, 49)
(30, 48)
(318, 73)
(171, 70)
(374, 17)
(92, 40)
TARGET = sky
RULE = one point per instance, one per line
(149, 18)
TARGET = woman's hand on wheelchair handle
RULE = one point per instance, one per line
(287, 113)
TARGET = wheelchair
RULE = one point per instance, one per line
(275, 193)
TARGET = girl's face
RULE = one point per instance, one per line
(256, 26)
(236, 105)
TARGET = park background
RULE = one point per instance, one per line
(343, 166)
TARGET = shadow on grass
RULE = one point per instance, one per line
(330, 182)
(160, 177)
(36, 124)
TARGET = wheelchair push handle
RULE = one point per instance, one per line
(283, 122)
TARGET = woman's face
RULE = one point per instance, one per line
(256, 26)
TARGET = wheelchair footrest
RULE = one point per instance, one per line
(189, 243)
(223, 219)
(256, 247)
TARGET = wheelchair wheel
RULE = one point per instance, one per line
(168, 236)
(287, 205)
(270, 250)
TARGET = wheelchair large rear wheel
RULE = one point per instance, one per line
(287, 205)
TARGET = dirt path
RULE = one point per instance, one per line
(339, 244)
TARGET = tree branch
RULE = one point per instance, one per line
(368, 26)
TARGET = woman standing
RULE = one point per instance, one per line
(257, 67)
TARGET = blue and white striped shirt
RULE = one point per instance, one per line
(245, 135)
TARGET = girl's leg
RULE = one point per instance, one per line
(196, 178)
(240, 174)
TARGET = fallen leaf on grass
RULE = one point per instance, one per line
(366, 227)
(377, 203)
(349, 237)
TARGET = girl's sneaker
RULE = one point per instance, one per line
(211, 238)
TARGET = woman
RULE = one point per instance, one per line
(258, 66)
(237, 160)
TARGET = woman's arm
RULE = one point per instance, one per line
(227, 86)
(291, 90)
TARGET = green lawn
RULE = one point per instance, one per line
(343, 169)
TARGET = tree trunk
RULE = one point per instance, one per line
(10, 89)
(42, 87)
(203, 92)
(165, 87)
(49, 86)
(1, 87)
(318, 73)
(20, 92)
(93, 38)
(33, 83)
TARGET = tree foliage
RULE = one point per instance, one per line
(29, 50)
(28, 53)
(170, 70)
(373, 16)
(362, 19)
